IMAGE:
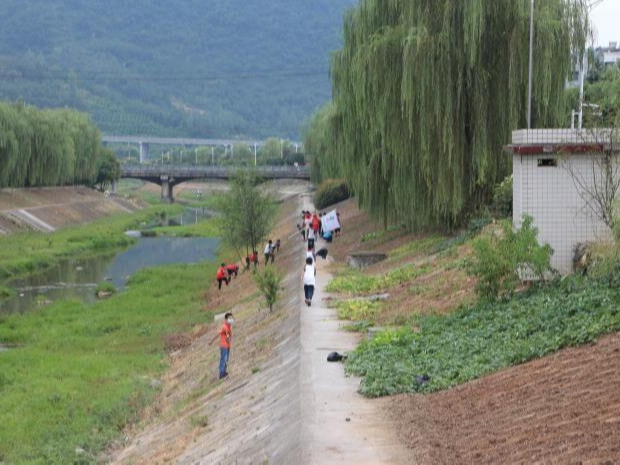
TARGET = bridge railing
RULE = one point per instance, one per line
(210, 171)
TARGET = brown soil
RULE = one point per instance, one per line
(564, 408)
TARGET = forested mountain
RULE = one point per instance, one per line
(233, 68)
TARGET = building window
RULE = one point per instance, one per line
(547, 162)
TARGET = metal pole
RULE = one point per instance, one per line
(531, 70)
(254, 153)
(212, 155)
(196, 155)
(582, 78)
(281, 149)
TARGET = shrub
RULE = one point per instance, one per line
(331, 192)
(500, 258)
(502, 198)
(269, 282)
(105, 290)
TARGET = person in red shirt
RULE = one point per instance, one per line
(225, 336)
(232, 269)
(220, 276)
(316, 224)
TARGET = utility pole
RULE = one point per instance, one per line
(531, 69)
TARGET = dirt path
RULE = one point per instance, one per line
(339, 426)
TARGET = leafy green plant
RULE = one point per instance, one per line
(501, 257)
(487, 336)
(502, 198)
(269, 281)
(330, 192)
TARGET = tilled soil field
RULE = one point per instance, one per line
(564, 408)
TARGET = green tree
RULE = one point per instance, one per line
(108, 170)
(248, 213)
(269, 282)
(46, 147)
(426, 93)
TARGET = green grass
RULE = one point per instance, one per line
(209, 228)
(106, 287)
(6, 292)
(82, 372)
(486, 337)
(355, 282)
(210, 200)
(359, 310)
(30, 252)
(415, 247)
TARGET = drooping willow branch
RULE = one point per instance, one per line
(426, 93)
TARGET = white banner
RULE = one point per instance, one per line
(330, 221)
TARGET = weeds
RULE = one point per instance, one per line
(359, 310)
(355, 282)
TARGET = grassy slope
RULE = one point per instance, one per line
(470, 340)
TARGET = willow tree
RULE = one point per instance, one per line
(426, 92)
(46, 147)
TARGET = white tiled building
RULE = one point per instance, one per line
(549, 168)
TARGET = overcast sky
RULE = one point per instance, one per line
(606, 19)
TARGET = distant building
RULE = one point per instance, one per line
(553, 171)
(610, 55)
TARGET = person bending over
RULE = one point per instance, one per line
(221, 277)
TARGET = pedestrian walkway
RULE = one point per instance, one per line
(339, 426)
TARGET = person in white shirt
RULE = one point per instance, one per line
(269, 248)
(309, 280)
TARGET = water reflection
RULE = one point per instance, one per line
(77, 279)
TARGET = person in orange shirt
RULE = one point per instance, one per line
(220, 276)
(225, 336)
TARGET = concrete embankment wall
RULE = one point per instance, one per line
(48, 209)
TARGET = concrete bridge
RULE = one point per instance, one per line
(169, 176)
(144, 142)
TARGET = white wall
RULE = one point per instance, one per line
(550, 195)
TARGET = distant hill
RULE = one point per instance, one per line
(246, 68)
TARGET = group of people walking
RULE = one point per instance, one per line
(312, 228)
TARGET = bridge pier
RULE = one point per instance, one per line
(167, 189)
(144, 151)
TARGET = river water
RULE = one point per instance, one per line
(77, 279)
